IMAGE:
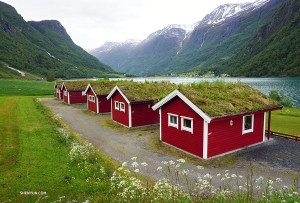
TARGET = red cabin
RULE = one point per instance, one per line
(58, 91)
(97, 92)
(210, 121)
(73, 91)
(131, 102)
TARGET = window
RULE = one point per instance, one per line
(65, 93)
(116, 105)
(248, 123)
(187, 124)
(91, 98)
(173, 120)
(122, 106)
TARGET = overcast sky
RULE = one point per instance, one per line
(90, 23)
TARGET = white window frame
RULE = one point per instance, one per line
(252, 124)
(122, 109)
(184, 127)
(169, 120)
(65, 93)
(92, 98)
(117, 105)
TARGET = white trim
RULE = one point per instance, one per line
(69, 97)
(120, 105)
(116, 88)
(90, 98)
(184, 127)
(264, 128)
(252, 125)
(160, 124)
(111, 109)
(205, 139)
(169, 120)
(115, 106)
(186, 100)
(83, 93)
(129, 114)
(97, 104)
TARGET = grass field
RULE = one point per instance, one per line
(286, 121)
(26, 88)
(35, 151)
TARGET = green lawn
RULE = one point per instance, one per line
(286, 121)
(26, 88)
(34, 157)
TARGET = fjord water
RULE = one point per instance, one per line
(289, 86)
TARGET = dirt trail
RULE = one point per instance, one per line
(123, 146)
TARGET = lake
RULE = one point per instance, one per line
(289, 86)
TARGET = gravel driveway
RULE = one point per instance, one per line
(276, 158)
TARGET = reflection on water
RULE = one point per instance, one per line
(289, 86)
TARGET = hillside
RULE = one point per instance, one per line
(275, 50)
(211, 41)
(42, 48)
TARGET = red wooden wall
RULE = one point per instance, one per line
(77, 97)
(117, 115)
(224, 138)
(142, 114)
(192, 143)
(104, 104)
(91, 105)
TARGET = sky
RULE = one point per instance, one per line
(91, 23)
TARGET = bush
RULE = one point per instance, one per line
(281, 98)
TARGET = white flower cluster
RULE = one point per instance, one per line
(81, 154)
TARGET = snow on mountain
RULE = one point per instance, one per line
(225, 11)
(107, 46)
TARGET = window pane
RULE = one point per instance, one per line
(187, 123)
(248, 122)
(173, 119)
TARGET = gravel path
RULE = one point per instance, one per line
(275, 158)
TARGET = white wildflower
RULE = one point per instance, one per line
(181, 161)
(144, 164)
(159, 168)
(136, 170)
(133, 158)
(135, 164)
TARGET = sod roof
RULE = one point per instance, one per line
(221, 99)
(76, 85)
(104, 87)
(58, 83)
(153, 91)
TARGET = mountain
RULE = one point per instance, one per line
(274, 50)
(178, 48)
(42, 48)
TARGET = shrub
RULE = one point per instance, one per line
(281, 98)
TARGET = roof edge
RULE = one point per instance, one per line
(116, 88)
(186, 100)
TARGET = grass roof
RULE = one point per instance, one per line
(104, 87)
(220, 99)
(76, 85)
(59, 83)
(146, 91)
